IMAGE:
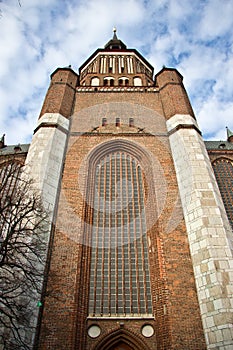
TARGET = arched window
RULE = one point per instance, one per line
(9, 176)
(95, 81)
(123, 81)
(119, 271)
(104, 121)
(223, 169)
(108, 81)
(137, 81)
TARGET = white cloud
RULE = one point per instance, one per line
(193, 36)
(216, 20)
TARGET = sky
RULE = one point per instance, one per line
(37, 36)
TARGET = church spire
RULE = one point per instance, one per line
(114, 34)
(229, 135)
(115, 43)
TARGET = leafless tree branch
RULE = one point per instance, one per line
(23, 231)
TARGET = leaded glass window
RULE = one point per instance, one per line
(119, 276)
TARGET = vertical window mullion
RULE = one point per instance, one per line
(119, 262)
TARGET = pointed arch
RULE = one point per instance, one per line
(119, 271)
(121, 336)
(223, 170)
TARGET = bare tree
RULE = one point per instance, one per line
(23, 228)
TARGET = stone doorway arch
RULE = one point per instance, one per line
(121, 340)
(121, 346)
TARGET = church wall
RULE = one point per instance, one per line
(177, 321)
(188, 235)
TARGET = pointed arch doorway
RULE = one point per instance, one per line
(121, 346)
(122, 340)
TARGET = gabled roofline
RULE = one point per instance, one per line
(116, 50)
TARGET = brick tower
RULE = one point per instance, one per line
(139, 254)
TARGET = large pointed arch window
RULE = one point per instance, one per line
(119, 272)
(223, 169)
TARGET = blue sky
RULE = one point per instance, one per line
(196, 37)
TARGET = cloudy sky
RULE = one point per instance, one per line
(37, 36)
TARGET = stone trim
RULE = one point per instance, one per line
(50, 125)
(184, 126)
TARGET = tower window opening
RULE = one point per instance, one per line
(95, 81)
(137, 81)
(131, 122)
(108, 81)
(123, 81)
(118, 122)
(104, 121)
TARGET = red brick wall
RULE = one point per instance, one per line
(61, 93)
(177, 320)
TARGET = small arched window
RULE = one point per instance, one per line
(95, 81)
(223, 170)
(123, 81)
(108, 81)
(137, 81)
(9, 176)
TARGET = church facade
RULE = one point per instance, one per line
(140, 247)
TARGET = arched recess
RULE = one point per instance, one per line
(143, 306)
(223, 170)
(119, 231)
(121, 337)
(108, 81)
(137, 81)
(95, 81)
(123, 81)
